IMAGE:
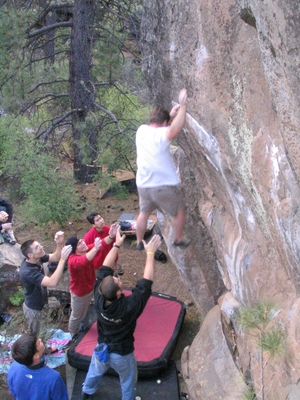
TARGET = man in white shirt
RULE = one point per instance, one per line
(156, 179)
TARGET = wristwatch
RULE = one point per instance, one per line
(115, 245)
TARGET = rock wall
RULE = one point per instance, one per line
(10, 261)
(239, 166)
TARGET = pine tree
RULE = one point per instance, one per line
(61, 64)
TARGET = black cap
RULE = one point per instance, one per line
(73, 241)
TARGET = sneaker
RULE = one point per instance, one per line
(75, 337)
(140, 246)
(182, 243)
(160, 256)
(11, 233)
(8, 238)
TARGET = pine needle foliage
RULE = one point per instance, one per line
(37, 176)
(258, 316)
(274, 342)
(270, 338)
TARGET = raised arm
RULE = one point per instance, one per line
(94, 250)
(59, 239)
(112, 233)
(179, 114)
(53, 280)
(110, 259)
(150, 249)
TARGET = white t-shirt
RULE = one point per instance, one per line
(154, 161)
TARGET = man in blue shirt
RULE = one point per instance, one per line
(28, 377)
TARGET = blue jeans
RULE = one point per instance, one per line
(125, 366)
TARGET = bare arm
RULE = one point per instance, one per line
(151, 248)
(112, 233)
(110, 259)
(180, 115)
(91, 254)
(59, 239)
(51, 281)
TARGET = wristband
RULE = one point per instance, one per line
(150, 252)
(115, 245)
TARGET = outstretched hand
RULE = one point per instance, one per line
(182, 99)
(119, 238)
(174, 111)
(97, 243)
(65, 252)
(113, 229)
(153, 244)
(59, 237)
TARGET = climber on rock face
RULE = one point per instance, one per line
(156, 178)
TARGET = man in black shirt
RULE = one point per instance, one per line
(33, 277)
(117, 315)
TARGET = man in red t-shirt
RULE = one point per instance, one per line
(82, 279)
(106, 233)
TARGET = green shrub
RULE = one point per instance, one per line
(37, 176)
(18, 298)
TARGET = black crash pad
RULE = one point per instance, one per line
(162, 387)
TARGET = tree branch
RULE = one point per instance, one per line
(55, 123)
(32, 42)
(45, 96)
(46, 11)
(42, 31)
(121, 43)
(46, 57)
(47, 83)
(114, 120)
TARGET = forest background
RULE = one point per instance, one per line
(71, 96)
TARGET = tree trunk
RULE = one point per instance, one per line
(49, 48)
(81, 87)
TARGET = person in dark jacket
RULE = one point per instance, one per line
(6, 205)
(117, 315)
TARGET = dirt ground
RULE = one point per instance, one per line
(167, 279)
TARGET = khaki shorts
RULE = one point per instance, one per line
(166, 198)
